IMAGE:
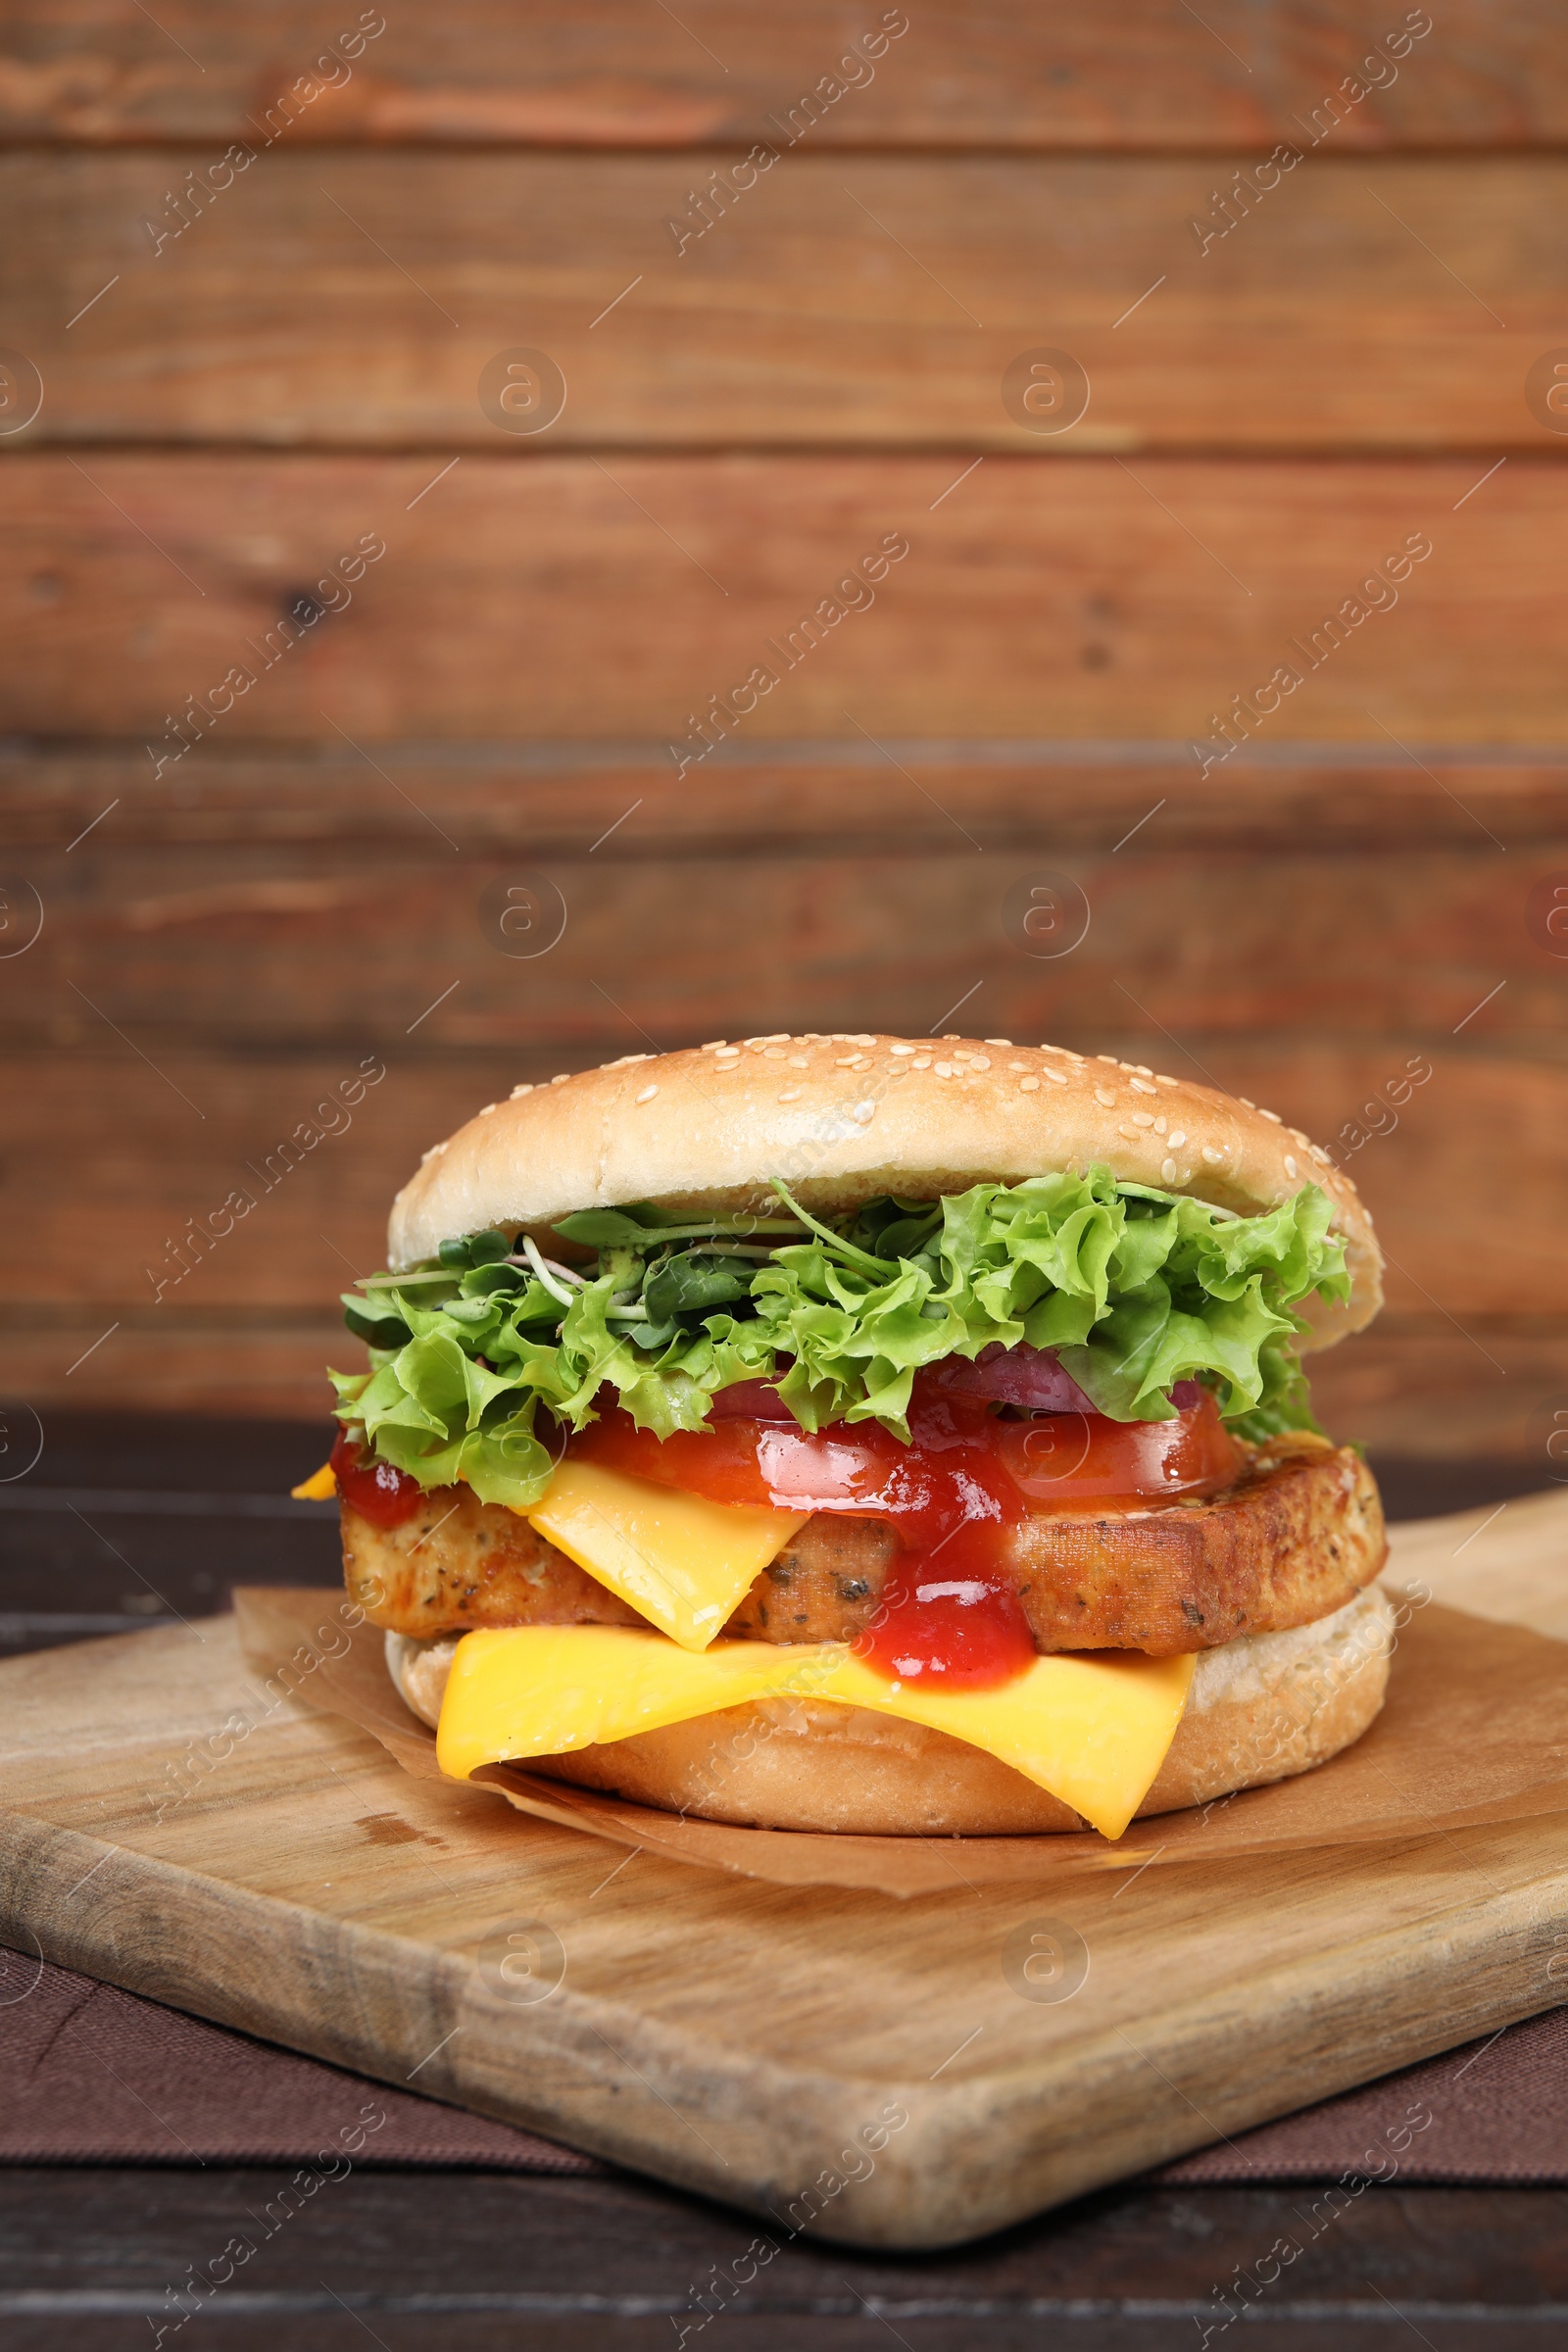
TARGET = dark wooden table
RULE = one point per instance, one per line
(122, 1524)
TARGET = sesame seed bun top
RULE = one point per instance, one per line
(841, 1119)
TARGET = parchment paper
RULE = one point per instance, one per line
(1474, 1730)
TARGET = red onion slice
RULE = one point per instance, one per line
(1021, 1375)
(751, 1401)
(1033, 1378)
(1025, 1375)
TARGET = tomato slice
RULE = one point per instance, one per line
(849, 1467)
(1066, 1461)
(1052, 1461)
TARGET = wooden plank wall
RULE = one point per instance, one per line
(306, 653)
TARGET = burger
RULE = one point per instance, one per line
(869, 1434)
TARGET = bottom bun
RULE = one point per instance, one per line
(1261, 1708)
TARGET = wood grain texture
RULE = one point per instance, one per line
(260, 1892)
(1504, 1564)
(611, 2261)
(843, 797)
(561, 598)
(1428, 1388)
(355, 300)
(348, 942)
(226, 1364)
(612, 73)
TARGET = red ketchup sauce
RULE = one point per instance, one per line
(949, 1616)
(375, 1489)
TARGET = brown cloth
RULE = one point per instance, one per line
(1494, 2110)
(90, 2075)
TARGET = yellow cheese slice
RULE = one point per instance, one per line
(1094, 1731)
(544, 1689)
(681, 1561)
(319, 1486)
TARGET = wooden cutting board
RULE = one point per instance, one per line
(892, 2074)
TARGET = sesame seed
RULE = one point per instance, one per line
(945, 1069)
(1129, 1133)
(863, 1041)
(998, 1041)
(1141, 1088)
(792, 1094)
(648, 1093)
(1111, 1057)
(953, 1038)
(489, 1107)
(921, 1061)
(713, 1045)
(845, 1061)
(979, 1061)
(1319, 1154)
(1212, 1156)
(780, 1036)
(1247, 1101)
(772, 1053)
(728, 1053)
(1028, 1086)
(1142, 1069)
(800, 1061)
(901, 1050)
(1167, 1172)
(1178, 1137)
(1018, 1066)
(1272, 1114)
(863, 1113)
(521, 1090)
(1141, 1119)
(560, 1077)
(1290, 1164)
(1161, 1079)
(1108, 1102)
(1159, 1129)
(1056, 1077)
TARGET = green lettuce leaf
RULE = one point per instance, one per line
(1134, 1289)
